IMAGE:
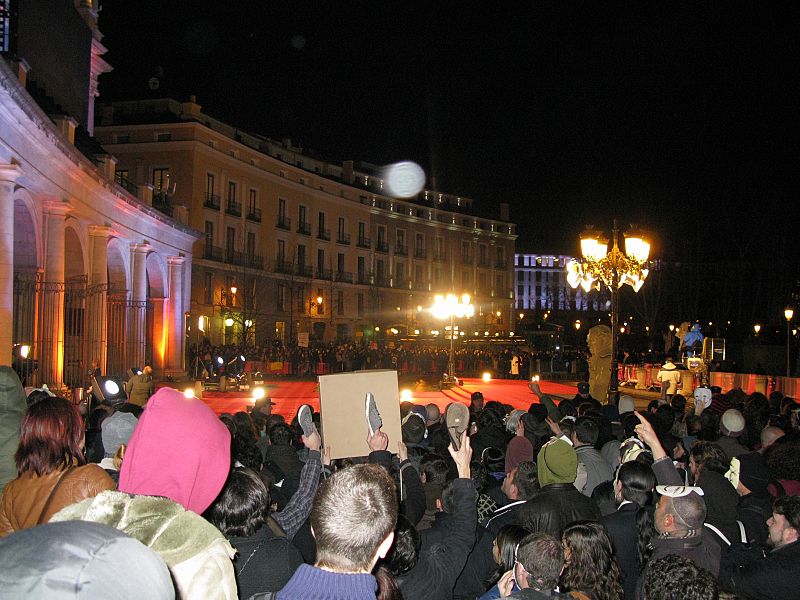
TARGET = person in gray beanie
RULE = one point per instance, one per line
(116, 430)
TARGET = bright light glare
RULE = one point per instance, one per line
(404, 179)
(24, 350)
(189, 392)
(405, 395)
(228, 322)
(111, 387)
(219, 360)
(487, 376)
(258, 393)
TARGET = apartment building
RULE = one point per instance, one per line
(296, 245)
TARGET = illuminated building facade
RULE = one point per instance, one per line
(89, 272)
(293, 244)
(541, 285)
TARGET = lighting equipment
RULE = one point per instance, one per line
(108, 389)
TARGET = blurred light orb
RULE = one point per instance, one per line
(487, 376)
(188, 392)
(405, 395)
(404, 179)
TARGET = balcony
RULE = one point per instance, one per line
(212, 253)
(283, 222)
(284, 267)
(364, 242)
(381, 246)
(381, 281)
(401, 249)
(343, 238)
(420, 286)
(400, 283)
(344, 276)
(304, 270)
(304, 228)
(161, 203)
(420, 253)
(254, 215)
(233, 208)
(440, 256)
(324, 234)
(212, 202)
(363, 279)
(500, 263)
(326, 274)
(484, 262)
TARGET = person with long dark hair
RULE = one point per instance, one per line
(503, 551)
(51, 468)
(590, 565)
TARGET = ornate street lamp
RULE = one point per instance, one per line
(788, 313)
(451, 306)
(614, 268)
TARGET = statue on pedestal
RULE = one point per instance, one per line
(599, 342)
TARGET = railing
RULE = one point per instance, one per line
(400, 283)
(254, 215)
(484, 262)
(304, 228)
(212, 253)
(304, 270)
(326, 274)
(363, 279)
(324, 234)
(344, 276)
(233, 208)
(128, 185)
(420, 253)
(161, 203)
(381, 281)
(283, 222)
(284, 267)
(364, 242)
(401, 249)
(343, 238)
(212, 202)
(381, 246)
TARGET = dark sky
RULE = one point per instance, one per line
(682, 118)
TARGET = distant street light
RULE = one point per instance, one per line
(451, 307)
(756, 328)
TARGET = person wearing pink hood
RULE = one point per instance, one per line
(177, 461)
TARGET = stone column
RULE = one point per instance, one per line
(97, 306)
(51, 356)
(8, 175)
(175, 327)
(137, 320)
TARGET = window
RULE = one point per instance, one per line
(253, 204)
(281, 207)
(380, 269)
(321, 223)
(230, 241)
(465, 252)
(281, 304)
(362, 267)
(340, 229)
(251, 243)
(360, 304)
(164, 136)
(121, 176)
(418, 276)
(320, 260)
(466, 279)
(300, 300)
(482, 254)
(340, 303)
(401, 238)
(362, 231)
(340, 262)
(381, 235)
(210, 184)
(439, 247)
(419, 244)
(400, 273)
(209, 234)
(160, 179)
(232, 191)
(281, 257)
(301, 214)
(301, 256)
(208, 288)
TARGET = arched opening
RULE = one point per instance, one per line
(26, 288)
(76, 361)
(157, 317)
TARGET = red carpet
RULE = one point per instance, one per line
(289, 395)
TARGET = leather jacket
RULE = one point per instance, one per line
(25, 497)
(554, 507)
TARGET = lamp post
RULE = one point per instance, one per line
(614, 268)
(788, 313)
(451, 307)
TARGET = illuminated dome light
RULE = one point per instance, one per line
(259, 393)
(405, 395)
(487, 376)
(188, 392)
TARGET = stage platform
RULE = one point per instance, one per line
(290, 395)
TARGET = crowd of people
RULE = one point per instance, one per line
(686, 499)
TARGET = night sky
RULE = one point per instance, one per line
(682, 118)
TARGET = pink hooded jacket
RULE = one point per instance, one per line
(179, 449)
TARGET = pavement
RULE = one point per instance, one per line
(288, 396)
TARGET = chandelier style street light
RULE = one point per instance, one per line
(788, 313)
(450, 307)
(614, 268)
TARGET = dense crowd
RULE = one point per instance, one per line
(686, 499)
